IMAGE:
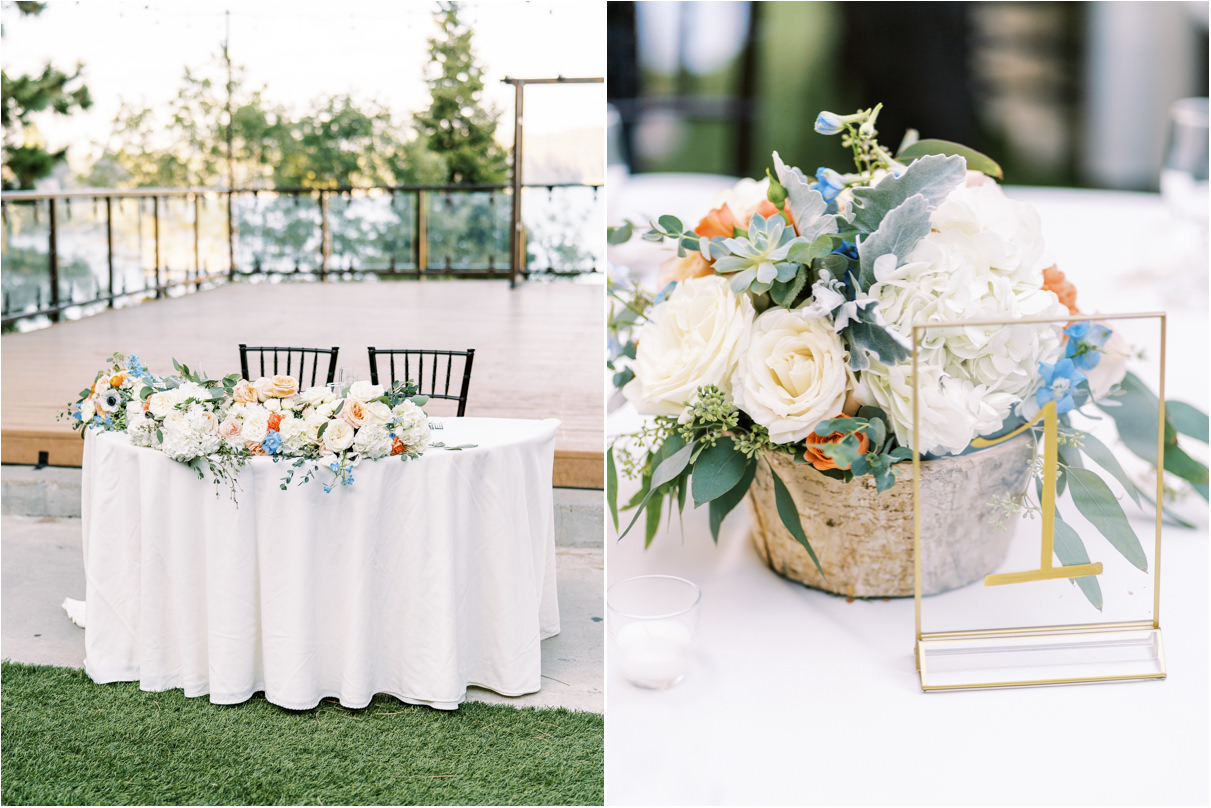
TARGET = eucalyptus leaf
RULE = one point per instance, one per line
(671, 224)
(620, 234)
(718, 469)
(1097, 503)
(1099, 453)
(653, 521)
(722, 505)
(612, 486)
(1071, 552)
(1186, 419)
(789, 514)
(1184, 466)
(976, 161)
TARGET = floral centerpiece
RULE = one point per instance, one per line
(781, 339)
(220, 424)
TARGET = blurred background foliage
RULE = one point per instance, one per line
(1064, 94)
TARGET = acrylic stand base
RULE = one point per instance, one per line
(1041, 656)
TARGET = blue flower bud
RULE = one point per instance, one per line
(829, 123)
(829, 183)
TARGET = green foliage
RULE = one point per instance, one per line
(976, 161)
(23, 96)
(69, 741)
(457, 125)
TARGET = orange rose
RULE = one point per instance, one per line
(275, 421)
(398, 447)
(354, 412)
(1054, 281)
(680, 269)
(822, 461)
(719, 222)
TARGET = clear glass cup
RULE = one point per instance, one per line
(345, 377)
(1184, 174)
(653, 622)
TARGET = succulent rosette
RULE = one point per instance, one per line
(784, 324)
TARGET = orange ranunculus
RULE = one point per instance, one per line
(822, 461)
(275, 421)
(719, 222)
(118, 380)
(398, 447)
(147, 404)
(680, 269)
(1054, 281)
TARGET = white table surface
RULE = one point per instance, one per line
(800, 697)
(423, 577)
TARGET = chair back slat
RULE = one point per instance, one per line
(414, 359)
(294, 361)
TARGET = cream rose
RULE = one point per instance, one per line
(313, 396)
(692, 339)
(162, 403)
(792, 375)
(338, 436)
(256, 425)
(87, 410)
(244, 392)
(377, 413)
(364, 391)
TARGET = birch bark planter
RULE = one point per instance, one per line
(864, 539)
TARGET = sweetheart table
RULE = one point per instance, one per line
(421, 578)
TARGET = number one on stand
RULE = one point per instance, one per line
(1047, 571)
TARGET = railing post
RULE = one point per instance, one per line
(53, 261)
(109, 245)
(197, 241)
(323, 236)
(230, 237)
(155, 224)
(516, 256)
(422, 234)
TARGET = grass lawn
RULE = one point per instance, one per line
(67, 740)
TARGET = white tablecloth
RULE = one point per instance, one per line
(421, 578)
(798, 697)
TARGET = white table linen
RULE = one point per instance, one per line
(799, 697)
(423, 577)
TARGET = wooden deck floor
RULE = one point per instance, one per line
(539, 352)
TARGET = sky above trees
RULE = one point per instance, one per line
(302, 50)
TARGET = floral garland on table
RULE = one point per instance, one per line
(219, 424)
(783, 326)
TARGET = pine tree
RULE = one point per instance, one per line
(26, 159)
(457, 126)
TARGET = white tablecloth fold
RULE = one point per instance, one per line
(423, 577)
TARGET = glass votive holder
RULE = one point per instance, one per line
(653, 621)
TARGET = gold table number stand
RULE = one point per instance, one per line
(1001, 631)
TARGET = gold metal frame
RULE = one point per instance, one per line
(1079, 632)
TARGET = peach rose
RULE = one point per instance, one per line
(283, 386)
(275, 421)
(264, 389)
(822, 461)
(229, 429)
(354, 413)
(244, 392)
(1054, 281)
(680, 269)
(255, 448)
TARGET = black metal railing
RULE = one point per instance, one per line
(73, 253)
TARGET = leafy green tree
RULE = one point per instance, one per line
(457, 125)
(26, 158)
